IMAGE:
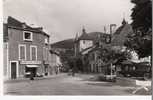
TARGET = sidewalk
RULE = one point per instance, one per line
(22, 79)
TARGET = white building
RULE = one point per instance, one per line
(83, 42)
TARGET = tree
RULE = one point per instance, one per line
(141, 44)
(116, 56)
(141, 39)
(142, 15)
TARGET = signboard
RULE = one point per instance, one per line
(46, 62)
(30, 62)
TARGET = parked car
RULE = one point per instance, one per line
(39, 75)
(27, 74)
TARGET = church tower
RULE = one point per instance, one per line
(85, 41)
(82, 42)
(124, 22)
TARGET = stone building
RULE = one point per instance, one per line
(26, 49)
(82, 42)
(55, 62)
(89, 47)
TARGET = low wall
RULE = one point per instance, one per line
(128, 81)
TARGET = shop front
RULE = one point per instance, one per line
(46, 68)
(31, 68)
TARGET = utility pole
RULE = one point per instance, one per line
(104, 29)
(111, 32)
(111, 70)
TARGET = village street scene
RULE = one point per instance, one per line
(77, 47)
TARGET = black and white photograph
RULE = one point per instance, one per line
(77, 47)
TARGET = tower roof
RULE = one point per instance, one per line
(124, 22)
(84, 35)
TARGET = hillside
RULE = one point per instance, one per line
(69, 43)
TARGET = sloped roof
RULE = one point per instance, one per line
(95, 35)
(99, 36)
(87, 50)
(95, 48)
(120, 36)
(85, 36)
(118, 31)
(69, 43)
(54, 52)
(14, 23)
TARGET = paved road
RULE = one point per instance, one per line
(63, 85)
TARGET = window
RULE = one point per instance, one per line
(27, 36)
(84, 41)
(46, 41)
(22, 52)
(33, 53)
(45, 53)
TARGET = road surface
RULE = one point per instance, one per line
(63, 84)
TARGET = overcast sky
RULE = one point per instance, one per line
(62, 19)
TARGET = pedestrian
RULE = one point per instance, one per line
(73, 71)
(56, 70)
(32, 76)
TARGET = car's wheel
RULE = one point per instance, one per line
(146, 76)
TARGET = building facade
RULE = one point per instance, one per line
(94, 58)
(89, 47)
(26, 49)
(82, 42)
(55, 62)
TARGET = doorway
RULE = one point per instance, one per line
(13, 69)
(46, 69)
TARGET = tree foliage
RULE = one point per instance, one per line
(141, 44)
(116, 56)
(141, 39)
(142, 15)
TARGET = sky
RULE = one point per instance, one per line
(63, 19)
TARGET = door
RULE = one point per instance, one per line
(13, 70)
(46, 69)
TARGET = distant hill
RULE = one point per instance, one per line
(69, 43)
(66, 44)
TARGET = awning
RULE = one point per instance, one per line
(32, 66)
(144, 63)
(127, 62)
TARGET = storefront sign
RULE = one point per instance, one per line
(46, 62)
(30, 62)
